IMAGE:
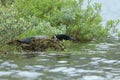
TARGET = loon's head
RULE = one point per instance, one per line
(62, 37)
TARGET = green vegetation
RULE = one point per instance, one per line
(23, 18)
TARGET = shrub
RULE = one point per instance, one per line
(43, 28)
(38, 8)
(6, 2)
(83, 24)
(10, 25)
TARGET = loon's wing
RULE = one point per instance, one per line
(26, 40)
(40, 37)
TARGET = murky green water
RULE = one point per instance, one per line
(90, 61)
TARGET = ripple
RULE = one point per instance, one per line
(102, 46)
(5, 73)
(8, 64)
(109, 61)
(93, 78)
(62, 62)
(58, 69)
(89, 71)
(27, 74)
(63, 69)
(34, 68)
(96, 58)
(43, 60)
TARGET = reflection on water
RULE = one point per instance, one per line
(94, 62)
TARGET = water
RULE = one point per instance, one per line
(90, 61)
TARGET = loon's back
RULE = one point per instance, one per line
(29, 39)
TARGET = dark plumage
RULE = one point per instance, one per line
(63, 37)
(29, 39)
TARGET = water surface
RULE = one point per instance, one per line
(91, 61)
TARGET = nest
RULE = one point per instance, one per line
(40, 45)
